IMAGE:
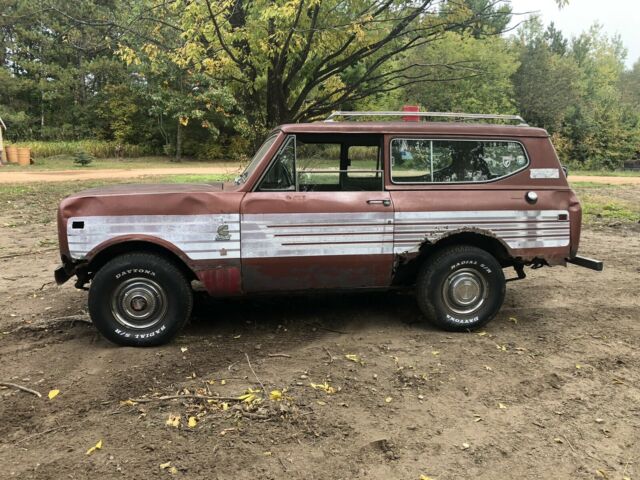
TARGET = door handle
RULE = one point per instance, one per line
(384, 202)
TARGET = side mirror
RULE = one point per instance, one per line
(565, 169)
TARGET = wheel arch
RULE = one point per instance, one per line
(407, 268)
(99, 256)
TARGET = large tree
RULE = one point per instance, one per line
(295, 60)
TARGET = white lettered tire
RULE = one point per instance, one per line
(460, 288)
(140, 299)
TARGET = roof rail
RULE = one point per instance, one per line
(451, 115)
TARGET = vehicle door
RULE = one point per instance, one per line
(319, 218)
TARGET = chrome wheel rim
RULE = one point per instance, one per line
(139, 303)
(464, 291)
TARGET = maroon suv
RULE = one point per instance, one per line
(438, 207)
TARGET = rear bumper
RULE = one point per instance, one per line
(586, 262)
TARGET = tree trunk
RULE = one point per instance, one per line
(178, 157)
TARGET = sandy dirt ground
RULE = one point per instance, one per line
(549, 389)
(110, 174)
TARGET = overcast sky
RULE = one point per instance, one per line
(616, 16)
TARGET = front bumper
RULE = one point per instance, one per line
(68, 269)
(62, 275)
(586, 263)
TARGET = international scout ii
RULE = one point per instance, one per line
(440, 207)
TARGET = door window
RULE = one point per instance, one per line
(326, 163)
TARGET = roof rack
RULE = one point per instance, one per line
(451, 115)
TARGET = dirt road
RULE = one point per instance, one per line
(549, 389)
(107, 174)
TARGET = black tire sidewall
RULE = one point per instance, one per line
(176, 289)
(436, 272)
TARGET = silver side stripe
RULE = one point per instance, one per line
(517, 228)
(195, 235)
(317, 234)
(205, 237)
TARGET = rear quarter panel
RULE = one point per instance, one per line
(430, 212)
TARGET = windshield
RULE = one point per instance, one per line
(257, 158)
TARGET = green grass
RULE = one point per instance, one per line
(65, 162)
(604, 173)
(594, 185)
(605, 202)
(611, 210)
(192, 178)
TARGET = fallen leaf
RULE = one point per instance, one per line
(225, 406)
(173, 420)
(164, 466)
(482, 334)
(465, 446)
(97, 446)
(266, 454)
(183, 349)
(435, 353)
(353, 358)
(250, 396)
(173, 470)
(388, 400)
(502, 406)
(127, 403)
(578, 366)
(502, 348)
(513, 319)
(424, 477)
(602, 474)
(487, 367)
(275, 395)
(223, 382)
(321, 403)
(192, 422)
(53, 394)
(323, 386)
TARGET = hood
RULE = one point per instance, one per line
(150, 189)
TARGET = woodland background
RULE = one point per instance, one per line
(207, 79)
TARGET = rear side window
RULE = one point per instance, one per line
(415, 160)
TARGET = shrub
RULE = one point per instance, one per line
(82, 158)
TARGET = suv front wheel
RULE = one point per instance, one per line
(140, 299)
(460, 288)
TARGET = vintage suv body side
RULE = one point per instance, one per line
(401, 222)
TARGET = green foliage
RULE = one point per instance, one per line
(209, 79)
(95, 148)
(464, 74)
(82, 158)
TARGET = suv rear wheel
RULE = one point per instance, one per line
(140, 299)
(460, 288)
